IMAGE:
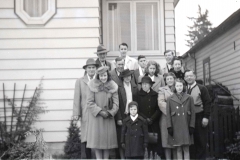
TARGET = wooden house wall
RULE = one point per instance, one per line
(56, 51)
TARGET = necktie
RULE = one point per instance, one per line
(189, 90)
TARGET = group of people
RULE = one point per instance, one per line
(132, 104)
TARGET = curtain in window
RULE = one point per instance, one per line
(147, 26)
(35, 8)
(119, 26)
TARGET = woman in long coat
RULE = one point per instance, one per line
(153, 70)
(102, 103)
(180, 119)
(148, 109)
(163, 94)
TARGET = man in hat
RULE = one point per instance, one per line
(80, 104)
(102, 54)
(127, 92)
(148, 109)
(130, 63)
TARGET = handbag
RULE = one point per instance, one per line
(152, 137)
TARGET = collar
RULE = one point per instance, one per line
(118, 73)
(191, 86)
(125, 84)
(151, 77)
(134, 118)
(90, 78)
(140, 71)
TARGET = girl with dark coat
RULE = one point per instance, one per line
(180, 120)
(134, 137)
(148, 109)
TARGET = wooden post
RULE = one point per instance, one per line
(13, 108)
(5, 118)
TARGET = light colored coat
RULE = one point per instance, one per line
(180, 116)
(163, 94)
(80, 104)
(102, 132)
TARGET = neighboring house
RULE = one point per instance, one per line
(53, 38)
(216, 57)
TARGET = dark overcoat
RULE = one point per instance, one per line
(106, 63)
(148, 108)
(180, 116)
(134, 135)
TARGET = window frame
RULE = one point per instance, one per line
(205, 61)
(133, 17)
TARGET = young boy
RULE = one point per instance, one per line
(134, 137)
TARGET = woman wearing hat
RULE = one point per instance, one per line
(148, 109)
(127, 93)
(102, 103)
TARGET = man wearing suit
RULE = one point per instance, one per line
(80, 105)
(102, 54)
(130, 63)
(141, 69)
(168, 54)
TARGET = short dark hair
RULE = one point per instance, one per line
(181, 81)
(123, 44)
(118, 59)
(108, 74)
(177, 59)
(132, 104)
(140, 57)
(130, 75)
(170, 74)
(173, 52)
(188, 70)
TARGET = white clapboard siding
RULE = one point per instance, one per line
(37, 74)
(61, 13)
(170, 30)
(49, 43)
(53, 23)
(169, 14)
(56, 53)
(6, 3)
(169, 6)
(49, 33)
(42, 64)
(169, 22)
(52, 84)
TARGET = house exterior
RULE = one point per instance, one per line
(53, 38)
(216, 57)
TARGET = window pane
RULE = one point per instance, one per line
(147, 26)
(35, 8)
(119, 26)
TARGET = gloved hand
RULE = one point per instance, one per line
(123, 145)
(191, 130)
(170, 131)
(103, 114)
(149, 121)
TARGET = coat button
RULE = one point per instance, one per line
(178, 114)
(177, 107)
(183, 114)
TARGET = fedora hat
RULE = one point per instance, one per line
(90, 61)
(102, 69)
(146, 79)
(101, 49)
(126, 73)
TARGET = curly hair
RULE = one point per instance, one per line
(108, 74)
(158, 68)
(180, 81)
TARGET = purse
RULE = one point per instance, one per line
(152, 137)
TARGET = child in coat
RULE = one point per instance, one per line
(180, 119)
(134, 136)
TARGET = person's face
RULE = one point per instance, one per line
(142, 62)
(146, 86)
(123, 50)
(177, 65)
(179, 87)
(190, 77)
(169, 57)
(170, 81)
(103, 77)
(120, 65)
(102, 56)
(133, 110)
(127, 79)
(152, 69)
(91, 70)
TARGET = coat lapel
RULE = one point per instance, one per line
(184, 98)
(85, 79)
(156, 80)
(175, 98)
(116, 78)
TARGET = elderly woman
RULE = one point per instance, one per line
(163, 94)
(153, 71)
(102, 103)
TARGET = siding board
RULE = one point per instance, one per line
(77, 3)
(6, 3)
(169, 14)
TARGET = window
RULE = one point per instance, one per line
(136, 23)
(206, 71)
(35, 12)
